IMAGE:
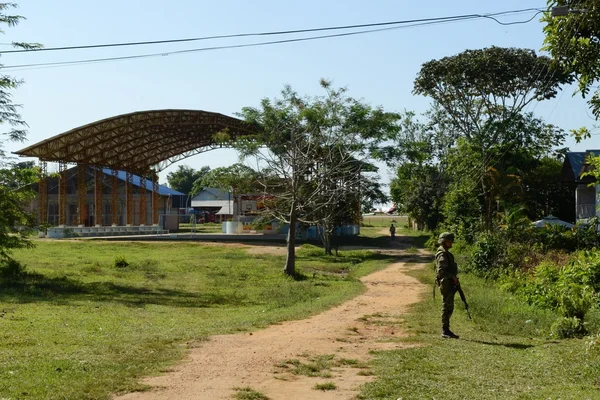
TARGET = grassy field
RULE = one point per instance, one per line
(75, 326)
(504, 353)
(384, 221)
(201, 228)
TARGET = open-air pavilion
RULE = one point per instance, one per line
(140, 143)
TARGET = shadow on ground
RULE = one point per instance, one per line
(30, 287)
(517, 346)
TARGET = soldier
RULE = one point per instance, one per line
(447, 280)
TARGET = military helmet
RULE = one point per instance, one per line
(445, 236)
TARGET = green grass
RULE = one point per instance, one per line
(325, 386)
(208, 227)
(504, 353)
(384, 221)
(247, 393)
(318, 366)
(78, 327)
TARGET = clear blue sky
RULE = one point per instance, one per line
(377, 67)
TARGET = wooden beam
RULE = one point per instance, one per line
(98, 206)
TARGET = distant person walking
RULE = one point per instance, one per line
(393, 232)
(447, 280)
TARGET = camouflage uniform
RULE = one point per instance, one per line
(447, 271)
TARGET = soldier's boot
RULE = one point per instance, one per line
(448, 334)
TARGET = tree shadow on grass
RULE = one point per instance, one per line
(517, 346)
(30, 287)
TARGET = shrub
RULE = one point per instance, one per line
(487, 255)
(518, 256)
(121, 262)
(567, 289)
(555, 237)
(539, 288)
(575, 300)
(586, 234)
(565, 328)
(585, 270)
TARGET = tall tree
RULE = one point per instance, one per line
(418, 187)
(573, 41)
(308, 150)
(483, 93)
(184, 177)
(15, 181)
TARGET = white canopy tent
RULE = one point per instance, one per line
(551, 220)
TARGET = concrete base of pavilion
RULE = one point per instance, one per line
(209, 237)
(61, 232)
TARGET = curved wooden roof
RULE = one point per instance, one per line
(139, 142)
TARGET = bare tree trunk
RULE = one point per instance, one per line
(290, 262)
(327, 241)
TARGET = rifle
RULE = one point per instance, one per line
(462, 297)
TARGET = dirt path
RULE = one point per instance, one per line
(371, 321)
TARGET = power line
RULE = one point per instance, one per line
(256, 44)
(516, 22)
(286, 32)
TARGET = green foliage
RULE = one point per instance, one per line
(568, 327)
(486, 257)
(554, 237)
(587, 235)
(572, 40)
(184, 177)
(325, 386)
(16, 224)
(462, 212)
(418, 190)
(489, 74)
(121, 262)
(247, 393)
(573, 289)
(482, 95)
(575, 300)
(239, 177)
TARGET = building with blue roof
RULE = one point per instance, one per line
(169, 200)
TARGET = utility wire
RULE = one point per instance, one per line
(202, 49)
(515, 22)
(256, 44)
(287, 32)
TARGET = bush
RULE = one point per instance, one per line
(575, 300)
(585, 270)
(565, 328)
(555, 237)
(486, 258)
(539, 288)
(586, 234)
(571, 289)
(121, 262)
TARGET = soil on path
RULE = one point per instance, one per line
(371, 321)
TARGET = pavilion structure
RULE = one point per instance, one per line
(140, 143)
